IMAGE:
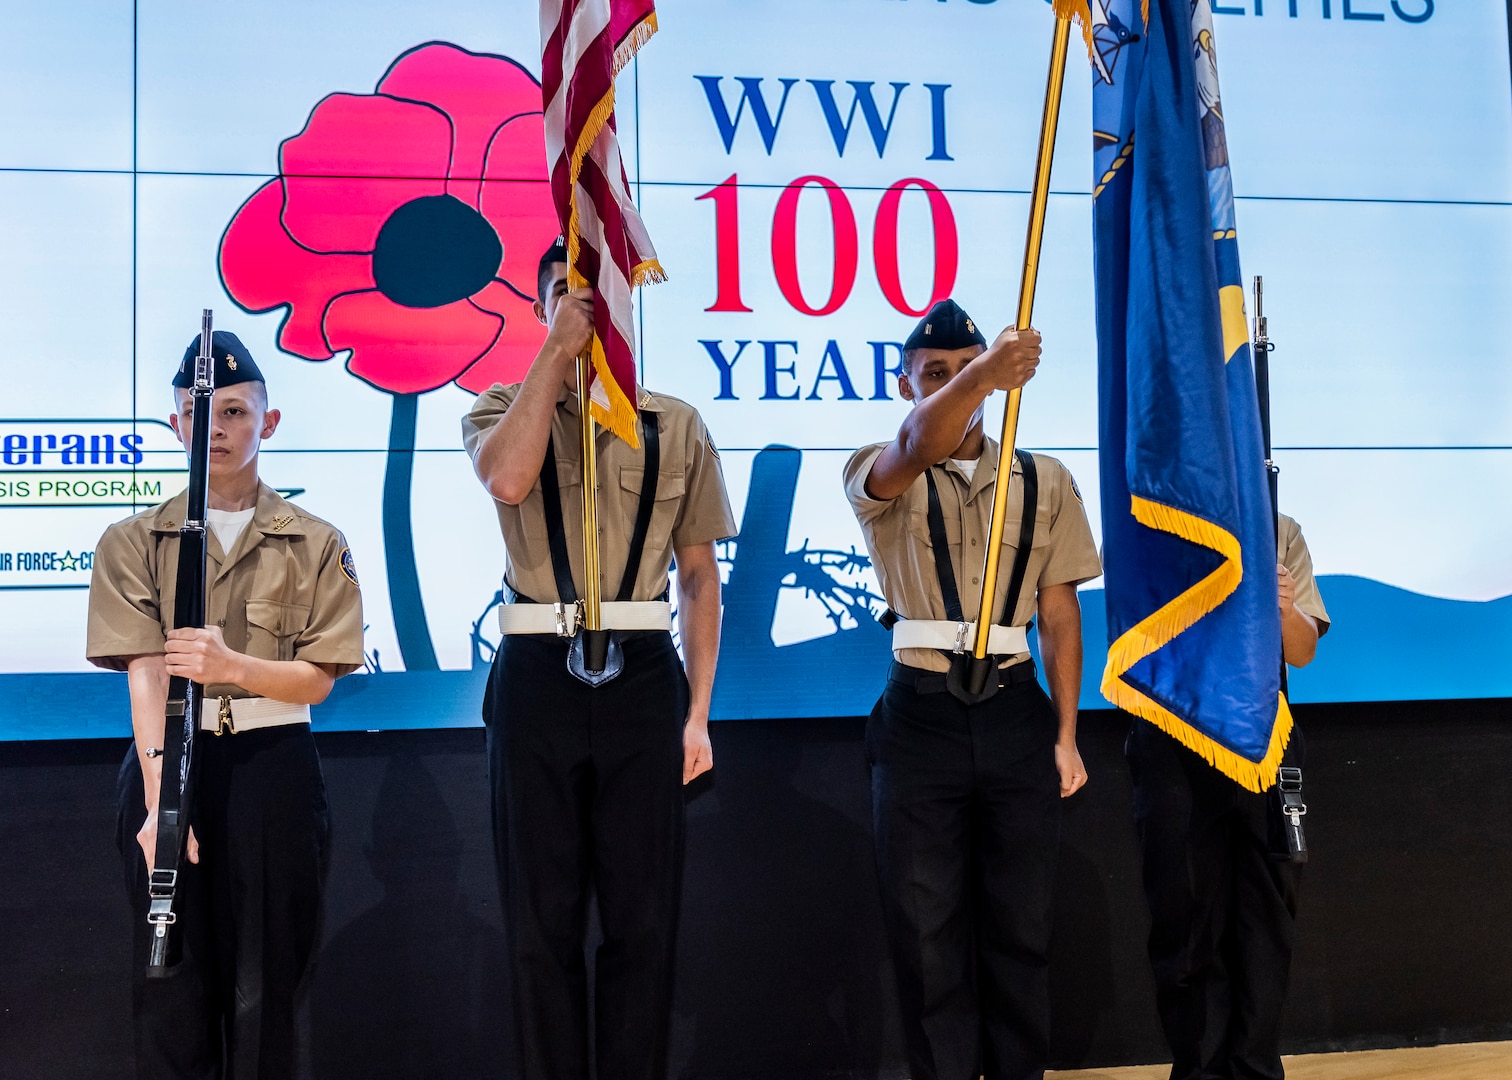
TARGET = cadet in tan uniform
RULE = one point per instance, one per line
(1221, 890)
(966, 790)
(283, 622)
(587, 779)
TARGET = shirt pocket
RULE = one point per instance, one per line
(1041, 536)
(569, 475)
(918, 526)
(670, 489)
(273, 627)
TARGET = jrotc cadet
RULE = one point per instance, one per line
(283, 622)
(966, 789)
(587, 779)
(1221, 889)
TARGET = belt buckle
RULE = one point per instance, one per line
(962, 629)
(225, 721)
(568, 616)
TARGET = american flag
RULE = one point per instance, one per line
(584, 44)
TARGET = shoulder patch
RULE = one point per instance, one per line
(349, 565)
(1074, 489)
(709, 441)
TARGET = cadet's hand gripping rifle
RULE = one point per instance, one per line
(1287, 794)
(185, 699)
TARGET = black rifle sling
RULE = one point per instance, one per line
(556, 533)
(941, 544)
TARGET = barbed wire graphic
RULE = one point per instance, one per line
(840, 581)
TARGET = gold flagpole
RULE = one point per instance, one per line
(594, 647)
(1048, 123)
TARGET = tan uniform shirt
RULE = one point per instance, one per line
(287, 589)
(691, 504)
(897, 535)
(1298, 562)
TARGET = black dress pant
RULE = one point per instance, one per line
(249, 910)
(966, 807)
(588, 800)
(1222, 911)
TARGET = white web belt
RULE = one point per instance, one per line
(250, 713)
(564, 620)
(958, 637)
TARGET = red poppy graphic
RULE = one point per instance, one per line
(405, 226)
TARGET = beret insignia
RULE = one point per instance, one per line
(946, 326)
(232, 362)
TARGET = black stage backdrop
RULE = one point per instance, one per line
(782, 970)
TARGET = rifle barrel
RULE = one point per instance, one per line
(181, 721)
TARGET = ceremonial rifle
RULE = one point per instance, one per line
(1262, 350)
(981, 663)
(181, 723)
(1288, 790)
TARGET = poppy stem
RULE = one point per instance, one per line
(398, 539)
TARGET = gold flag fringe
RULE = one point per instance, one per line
(631, 43)
(1078, 11)
(1081, 12)
(649, 272)
(1253, 776)
(1160, 628)
(621, 414)
(591, 129)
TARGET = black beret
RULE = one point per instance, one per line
(233, 363)
(945, 327)
(556, 253)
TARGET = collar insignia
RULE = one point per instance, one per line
(282, 522)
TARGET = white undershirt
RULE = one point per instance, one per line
(967, 466)
(228, 525)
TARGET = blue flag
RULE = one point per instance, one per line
(1189, 544)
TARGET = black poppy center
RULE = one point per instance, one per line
(435, 250)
